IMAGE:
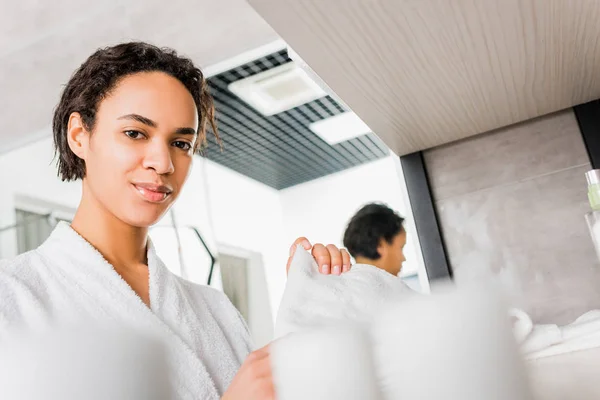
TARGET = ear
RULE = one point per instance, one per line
(77, 136)
(382, 247)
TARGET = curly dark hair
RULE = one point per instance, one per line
(100, 73)
(368, 226)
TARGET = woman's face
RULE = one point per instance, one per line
(140, 151)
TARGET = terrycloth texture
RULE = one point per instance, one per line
(312, 299)
(66, 280)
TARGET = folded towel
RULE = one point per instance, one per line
(521, 323)
(551, 340)
(312, 299)
(540, 338)
(586, 325)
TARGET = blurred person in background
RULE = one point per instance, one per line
(376, 236)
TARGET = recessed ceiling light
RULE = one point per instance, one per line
(277, 89)
(340, 127)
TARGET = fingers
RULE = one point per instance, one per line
(259, 354)
(304, 242)
(264, 388)
(336, 259)
(345, 260)
(263, 372)
(254, 381)
(260, 363)
(321, 254)
(261, 367)
(330, 259)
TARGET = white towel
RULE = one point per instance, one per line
(325, 364)
(66, 280)
(460, 336)
(551, 340)
(312, 299)
(86, 362)
(451, 334)
(541, 337)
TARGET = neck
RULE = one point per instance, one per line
(376, 263)
(368, 261)
(121, 244)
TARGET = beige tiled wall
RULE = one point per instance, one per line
(513, 201)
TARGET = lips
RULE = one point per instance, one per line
(153, 193)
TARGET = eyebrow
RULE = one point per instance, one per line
(152, 124)
(185, 131)
(140, 118)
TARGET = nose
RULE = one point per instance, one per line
(158, 157)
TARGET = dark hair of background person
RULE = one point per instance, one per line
(368, 227)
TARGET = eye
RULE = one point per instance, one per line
(180, 144)
(136, 135)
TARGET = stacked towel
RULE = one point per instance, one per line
(363, 334)
(550, 340)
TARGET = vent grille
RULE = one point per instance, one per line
(280, 150)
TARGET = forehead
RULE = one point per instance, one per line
(401, 237)
(154, 95)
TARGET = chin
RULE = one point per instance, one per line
(144, 218)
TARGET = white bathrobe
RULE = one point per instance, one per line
(66, 280)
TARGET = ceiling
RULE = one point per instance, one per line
(280, 150)
(428, 72)
(42, 42)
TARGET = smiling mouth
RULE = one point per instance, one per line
(153, 193)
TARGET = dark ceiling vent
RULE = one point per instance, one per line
(280, 150)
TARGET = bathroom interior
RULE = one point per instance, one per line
(479, 122)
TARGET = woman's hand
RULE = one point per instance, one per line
(330, 259)
(254, 380)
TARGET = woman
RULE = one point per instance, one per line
(127, 124)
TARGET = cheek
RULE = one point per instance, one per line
(123, 157)
(183, 168)
(110, 160)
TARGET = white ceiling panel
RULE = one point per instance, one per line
(42, 42)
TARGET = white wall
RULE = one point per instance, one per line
(246, 215)
(240, 217)
(30, 172)
(321, 209)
